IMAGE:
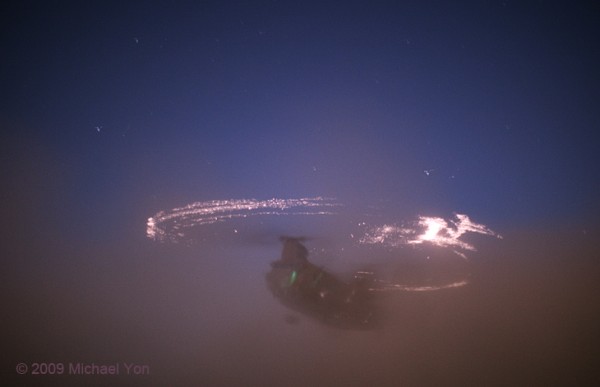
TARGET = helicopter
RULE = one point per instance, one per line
(309, 289)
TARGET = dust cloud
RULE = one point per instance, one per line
(201, 314)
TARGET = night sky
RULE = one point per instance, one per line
(113, 111)
(497, 101)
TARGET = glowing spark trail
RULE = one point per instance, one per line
(391, 287)
(170, 224)
(179, 224)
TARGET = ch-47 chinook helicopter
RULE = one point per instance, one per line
(309, 289)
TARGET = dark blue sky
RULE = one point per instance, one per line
(115, 111)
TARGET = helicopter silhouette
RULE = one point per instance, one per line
(309, 289)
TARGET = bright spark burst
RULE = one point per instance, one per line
(432, 230)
